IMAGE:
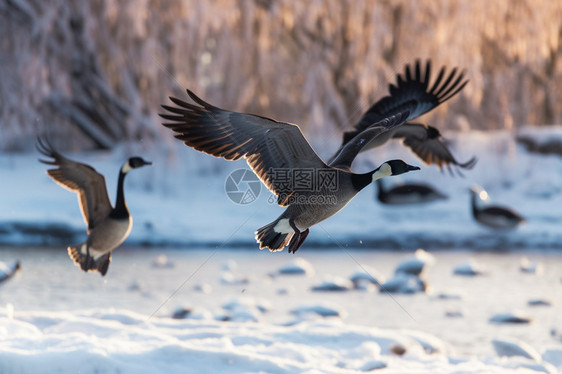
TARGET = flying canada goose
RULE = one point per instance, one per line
(108, 226)
(413, 91)
(8, 271)
(409, 193)
(284, 161)
(496, 217)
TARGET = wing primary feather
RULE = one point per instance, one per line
(427, 74)
(200, 101)
(81, 179)
(445, 84)
(447, 96)
(418, 72)
(437, 81)
(266, 144)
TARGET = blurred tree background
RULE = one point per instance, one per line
(96, 71)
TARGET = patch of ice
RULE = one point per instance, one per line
(430, 344)
(366, 274)
(454, 314)
(514, 347)
(162, 262)
(322, 310)
(448, 296)
(373, 365)
(404, 283)
(205, 288)
(245, 315)
(518, 364)
(247, 303)
(416, 264)
(529, 267)
(539, 302)
(333, 284)
(298, 266)
(554, 356)
(470, 268)
(230, 278)
(510, 317)
(229, 265)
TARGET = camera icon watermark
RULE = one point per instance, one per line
(302, 186)
(242, 186)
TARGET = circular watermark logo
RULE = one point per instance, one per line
(242, 186)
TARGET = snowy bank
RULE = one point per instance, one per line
(94, 341)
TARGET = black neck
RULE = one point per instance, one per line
(120, 210)
(381, 191)
(474, 203)
(361, 181)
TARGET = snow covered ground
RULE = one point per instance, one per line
(239, 314)
(245, 317)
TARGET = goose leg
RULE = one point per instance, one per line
(298, 238)
(302, 237)
(294, 242)
(86, 264)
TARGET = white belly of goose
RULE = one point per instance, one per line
(283, 227)
(110, 234)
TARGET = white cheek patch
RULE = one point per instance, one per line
(479, 202)
(283, 227)
(126, 167)
(384, 171)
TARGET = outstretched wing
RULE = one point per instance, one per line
(412, 92)
(349, 151)
(82, 179)
(426, 142)
(270, 147)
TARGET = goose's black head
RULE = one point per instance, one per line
(398, 167)
(133, 163)
(432, 132)
(392, 167)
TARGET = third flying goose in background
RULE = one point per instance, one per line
(276, 151)
(108, 226)
(413, 92)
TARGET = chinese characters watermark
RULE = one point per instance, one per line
(294, 186)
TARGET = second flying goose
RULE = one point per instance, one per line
(414, 92)
(276, 152)
(108, 226)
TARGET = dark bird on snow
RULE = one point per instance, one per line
(414, 93)
(278, 153)
(496, 217)
(8, 271)
(407, 193)
(108, 226)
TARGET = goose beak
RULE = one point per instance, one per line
(147, 162)
(410, 168)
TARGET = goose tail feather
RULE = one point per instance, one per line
(82, 257)
(271, 239)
